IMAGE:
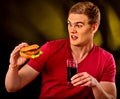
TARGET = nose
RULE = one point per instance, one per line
(73, 29)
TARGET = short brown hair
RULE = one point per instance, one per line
(87, 8)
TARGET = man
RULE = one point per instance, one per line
(96, 67)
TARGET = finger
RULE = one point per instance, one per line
(86, 84)
(79, 81)
(15, 52)
(74, 81)
(23, 44)
(76, 76)
(17, 48)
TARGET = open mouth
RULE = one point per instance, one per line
(74, 37)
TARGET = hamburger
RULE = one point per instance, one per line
(31, 51)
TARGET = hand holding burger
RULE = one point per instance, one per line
(31, 51)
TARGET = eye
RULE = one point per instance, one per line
(78, 25)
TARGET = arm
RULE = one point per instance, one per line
(102, 90)
(17, 78)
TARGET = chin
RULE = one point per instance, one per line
(74, 42)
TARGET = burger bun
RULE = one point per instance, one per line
(31, 51)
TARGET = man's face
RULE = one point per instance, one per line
(80, 32)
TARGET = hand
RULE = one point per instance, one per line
(83, 79)
(15, 59)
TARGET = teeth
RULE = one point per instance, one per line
(74, 37)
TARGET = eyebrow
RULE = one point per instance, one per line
(76, 22)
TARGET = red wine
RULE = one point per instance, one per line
(70, 72)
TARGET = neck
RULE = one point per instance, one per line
(80, 52)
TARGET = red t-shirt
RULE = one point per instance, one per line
(52, 64)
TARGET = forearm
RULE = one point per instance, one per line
(12, 80)
(100, 93)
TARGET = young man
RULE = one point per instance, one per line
(96, 67)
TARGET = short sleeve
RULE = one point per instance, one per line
(109, 70)
(38, 63)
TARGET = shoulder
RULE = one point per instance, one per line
(103, 54)
(102, 51)
(55, 45)
(58, 42)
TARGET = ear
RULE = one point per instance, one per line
(95, 27)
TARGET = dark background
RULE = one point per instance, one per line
(38, 21)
